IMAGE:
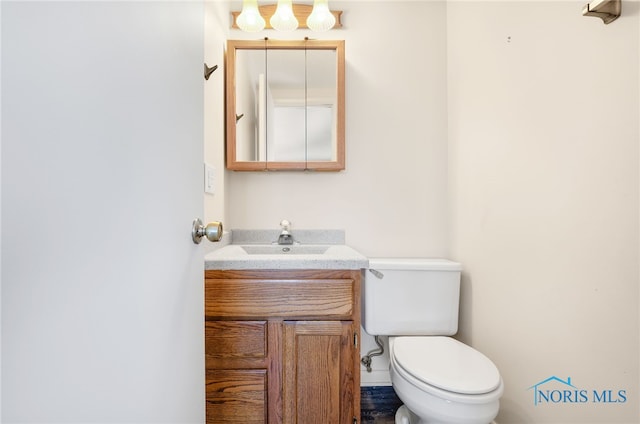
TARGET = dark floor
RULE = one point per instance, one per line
(378, 405)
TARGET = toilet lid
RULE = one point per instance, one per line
(446, 363)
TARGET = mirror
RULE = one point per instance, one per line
(285, 105)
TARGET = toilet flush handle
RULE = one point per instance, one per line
(377, 273)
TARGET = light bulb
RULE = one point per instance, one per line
(321, 18)
(284, 19)
(249, 19)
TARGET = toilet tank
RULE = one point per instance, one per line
(411, 297)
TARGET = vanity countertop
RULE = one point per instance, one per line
(337, 256)
(234, 256)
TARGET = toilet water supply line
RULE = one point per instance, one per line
(366, 359)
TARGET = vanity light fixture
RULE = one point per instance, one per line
(284, 19)
(286, 16)
(250, 19)
(321, 18)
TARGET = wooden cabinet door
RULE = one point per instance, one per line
(318, 380)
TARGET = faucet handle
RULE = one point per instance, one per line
(285, 225)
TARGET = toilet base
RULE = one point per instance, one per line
(403, 416)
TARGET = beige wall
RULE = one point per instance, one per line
(216, 32)
(503, 135)
(391, 200)
(543, 166)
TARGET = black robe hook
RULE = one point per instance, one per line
(208, 71)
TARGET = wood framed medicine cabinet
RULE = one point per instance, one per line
(285, 105)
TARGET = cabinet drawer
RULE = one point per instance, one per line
(259, 298)
(236, 396)
(235, 339)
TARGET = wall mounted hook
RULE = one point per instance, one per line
(239, 117)
(208, 71)
(607, 10)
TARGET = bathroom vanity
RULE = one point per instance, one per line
(282, 344)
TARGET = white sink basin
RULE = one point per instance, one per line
(276, 249)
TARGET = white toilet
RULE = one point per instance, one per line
(439, 379)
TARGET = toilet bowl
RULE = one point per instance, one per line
(441, 380)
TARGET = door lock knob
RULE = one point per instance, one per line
(213, 231)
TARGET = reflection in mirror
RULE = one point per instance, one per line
(285, 105)
(321, 105)
(250, 76)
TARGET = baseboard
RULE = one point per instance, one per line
(375, 378)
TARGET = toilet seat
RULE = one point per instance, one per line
(446, 364)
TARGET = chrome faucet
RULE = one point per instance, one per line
(285, 236)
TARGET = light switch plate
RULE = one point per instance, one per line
(209, 179)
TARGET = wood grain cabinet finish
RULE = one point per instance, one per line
(282, 346)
